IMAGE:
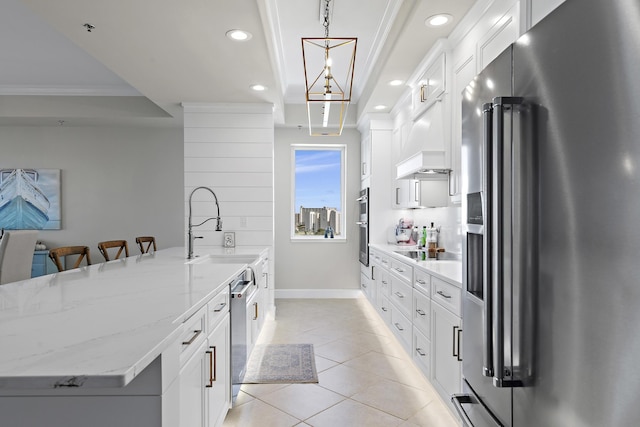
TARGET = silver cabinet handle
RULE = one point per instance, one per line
(399, 326)
(219, 307)
(193, 338)
(399, 270)
(397, 196)
(399, 295)
(416, 189)
(420, 352)
(420, 312)
(422, 282)
(385, 309)
(443, 295)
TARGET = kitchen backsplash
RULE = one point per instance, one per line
(448, 219)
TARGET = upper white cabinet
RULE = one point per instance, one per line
(365, 159)
(431, 85)
(541, 8)
(505, 31)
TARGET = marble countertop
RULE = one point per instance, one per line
(101, 325)
(449, 270)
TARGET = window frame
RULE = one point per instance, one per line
(342, 148)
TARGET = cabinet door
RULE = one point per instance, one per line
(193, 376)
(218, 387)
(446, 353)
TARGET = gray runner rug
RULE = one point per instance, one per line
(281, 363)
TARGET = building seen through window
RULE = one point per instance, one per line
(318, 191)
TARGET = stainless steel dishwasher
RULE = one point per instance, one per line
(241, 291)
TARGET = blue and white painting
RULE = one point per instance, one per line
(30, 199)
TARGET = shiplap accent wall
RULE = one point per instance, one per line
(229, 148)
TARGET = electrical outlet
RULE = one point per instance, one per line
(229, 239)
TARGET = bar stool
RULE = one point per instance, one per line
(57, 253)
(150, 241)
(120, 244)
(16, 255)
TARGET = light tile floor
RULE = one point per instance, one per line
(365, 377)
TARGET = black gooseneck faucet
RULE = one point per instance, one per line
(190, 235)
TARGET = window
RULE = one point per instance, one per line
(318, 189)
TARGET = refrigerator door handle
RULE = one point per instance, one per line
(487, 349)
(501, 376)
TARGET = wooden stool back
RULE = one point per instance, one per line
(150, 242)
(57, 253)
(120, 244)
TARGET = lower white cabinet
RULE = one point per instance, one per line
(192, 385)
(204, 380)
(218, 385)
(447, 352)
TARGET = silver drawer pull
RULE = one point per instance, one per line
(384, 309)
(422, 282)
(420, 352)
(219, 307)
(420, 312)
(442, 294)
(399, 270)
(400, 328)
(399, 295)
(384, 282)
(193, 338)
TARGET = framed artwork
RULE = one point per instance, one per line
(30, 199)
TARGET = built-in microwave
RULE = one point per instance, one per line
(363, 225)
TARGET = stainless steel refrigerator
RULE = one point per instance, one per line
(551, 218)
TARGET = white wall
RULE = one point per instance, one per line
(326, 268)
(116, 183)
(229, 148)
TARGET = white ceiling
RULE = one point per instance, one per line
(145, 57)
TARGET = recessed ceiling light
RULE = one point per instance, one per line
(380, 107)
(395, 82)
(238, 35)
(438, 20)
(258, 88)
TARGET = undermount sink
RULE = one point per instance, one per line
(223, 259)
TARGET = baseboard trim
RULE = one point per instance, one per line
(318, 293)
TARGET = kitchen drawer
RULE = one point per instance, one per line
(421, 352)
(193, 334)
(401, 295)
(382, 280)
(422, 281)
(385, 260)
(402, 269)
(217, 308)
(422, 312)
(402, 329)
(447, 295)
(374, 255)
(384, 308)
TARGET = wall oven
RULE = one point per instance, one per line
(363, 225)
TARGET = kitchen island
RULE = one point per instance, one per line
(106, 344)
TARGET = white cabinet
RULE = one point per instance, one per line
(446, 339)
(365, 158)
(205, 392)
(192, 385)
(217, 387)
(505, 31)
(430, 86)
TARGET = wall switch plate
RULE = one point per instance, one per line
(229, 239)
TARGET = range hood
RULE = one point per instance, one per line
(423, 165)
(424, 152)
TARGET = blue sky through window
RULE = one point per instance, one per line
(317, 179)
